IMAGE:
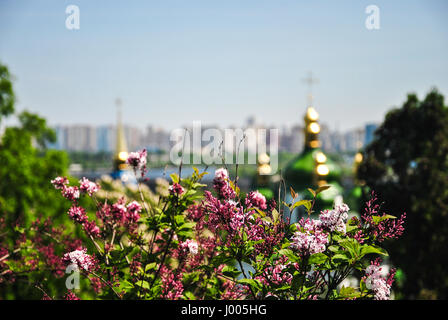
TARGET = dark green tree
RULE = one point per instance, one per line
(26, 166)
(407, 166)
(7, 97)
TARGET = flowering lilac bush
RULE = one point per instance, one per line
(191, 244)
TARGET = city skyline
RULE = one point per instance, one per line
(176, 62)
(95, 138)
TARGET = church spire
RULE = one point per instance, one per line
(121, 150)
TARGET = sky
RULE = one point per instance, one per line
(219, 62)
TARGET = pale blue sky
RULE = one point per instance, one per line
(174, 62)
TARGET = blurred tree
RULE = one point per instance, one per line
(7, 97)
(407, 165)
(26, 167)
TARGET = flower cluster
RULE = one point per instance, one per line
(137, 160)
(379, 225)
(221, 184)
(310, 237)
(77, 214)
(376, 282)
(277, 274)
(80, 259)
(172, 287)
(88, 186)
(72, 193)
(59, 182)
(190, 245)
(256, 199)
(334, 220)
(224, 245)
(176, 189)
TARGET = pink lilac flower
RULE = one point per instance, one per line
(176, 189)
(77, 214)
(132, 212)
(88, 186)
(91, 228)
(70, 296)
(256, 199)
(237, 219)
(221, 184)
(375, 281)
(191, 245)
(80, 259)
(137, 160)
(385, 229)
(59, 182)
(220, 213)
(97, 284)
(71, 193)
(310, 238)
(135, 265)
(234, 291)
(334, 220)
(276, 274)
(119, 211)
(52, 260)
(46, 297)
(172, 287)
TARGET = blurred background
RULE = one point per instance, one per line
(356, 93)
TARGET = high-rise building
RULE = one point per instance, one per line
(370, 129)
(105, 136)
(80, 138)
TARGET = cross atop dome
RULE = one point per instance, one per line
(310, 81)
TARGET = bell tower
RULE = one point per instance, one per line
(121, 150)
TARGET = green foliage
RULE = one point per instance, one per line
(25, 169)
(7, 97)
(407, 165)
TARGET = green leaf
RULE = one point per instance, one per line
(179, 220)
(340, 256)
(306, 203)
(174, 177)
(348, 292)
(366, 249)
(189, 295)
(317, 258)
(312, 192)
(231, 272)
(288, 253)
(362, 286)
(126, 285)
(350, 228)
(150, 266)
(144, 284)
(253, 283)
(352, 247)
(275, 215)
(320, 189)
(378, 219)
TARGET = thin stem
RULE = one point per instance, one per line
(106, 283)
(163, 259)
(7, 255)
(142, 199)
